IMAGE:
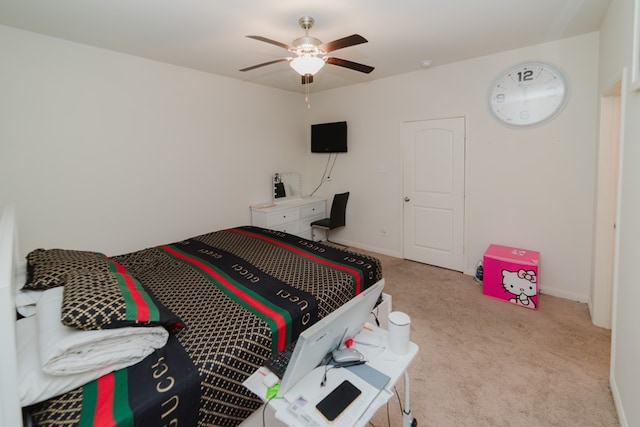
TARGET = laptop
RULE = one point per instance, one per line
(327, 334)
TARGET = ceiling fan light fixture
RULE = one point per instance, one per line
(307, 64)
(309, 53)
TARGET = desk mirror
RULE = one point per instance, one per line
(286, 186)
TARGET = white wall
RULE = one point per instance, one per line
(526, 188)
(105, 151)
(615, 55)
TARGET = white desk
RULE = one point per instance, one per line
(360, 412)
(291, 216)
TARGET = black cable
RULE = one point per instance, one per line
(339, 365)
(326, 175)
(324, 377)
(399, 400)
(414, 422)
(388, 417)
(375, 317)
(332, 165)
(325, 361)
(264, 409)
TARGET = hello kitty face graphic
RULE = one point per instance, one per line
(523, 284)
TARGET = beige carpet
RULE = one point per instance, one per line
(484, 362)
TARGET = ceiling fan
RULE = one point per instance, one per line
(311, 53)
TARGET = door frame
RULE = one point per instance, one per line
(606, 204)
(467, 269)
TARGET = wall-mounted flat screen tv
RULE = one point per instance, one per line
(329, 137)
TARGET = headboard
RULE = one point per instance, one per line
(10, 410)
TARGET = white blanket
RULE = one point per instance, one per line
(65, 350)
(34, 385)
(26, 300)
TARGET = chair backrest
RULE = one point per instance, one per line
(338, 210)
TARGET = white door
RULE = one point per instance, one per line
(433, 186)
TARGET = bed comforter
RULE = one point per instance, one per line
(243, 293)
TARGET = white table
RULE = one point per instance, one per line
(291, 216)
(378, 356)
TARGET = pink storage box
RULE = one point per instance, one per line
(511, 274)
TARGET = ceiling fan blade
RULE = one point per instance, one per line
(349, 64)
(279, 44)
(351, 40)
(275, 61)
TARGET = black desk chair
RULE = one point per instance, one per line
(336, 218)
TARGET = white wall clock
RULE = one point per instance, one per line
(528, 94)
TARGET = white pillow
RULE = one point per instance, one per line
(26, 301)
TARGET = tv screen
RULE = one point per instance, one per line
(329, 137)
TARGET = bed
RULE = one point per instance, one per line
(228, 300)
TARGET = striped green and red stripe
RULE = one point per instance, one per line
(116, 267)
(105, 401)
(355, 273)
(277, 318)
(139, 306)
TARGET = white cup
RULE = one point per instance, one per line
(399, 328)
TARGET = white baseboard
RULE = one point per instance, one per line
(597, 320)
(367, 248)
(564, 294)
(622, 418)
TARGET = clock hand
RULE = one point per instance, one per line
(525, 98)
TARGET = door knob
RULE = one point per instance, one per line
(406, 199)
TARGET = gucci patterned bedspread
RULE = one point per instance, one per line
(242, 293)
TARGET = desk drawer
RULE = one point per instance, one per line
(291, 227)
(282, 217)
(316, 209)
